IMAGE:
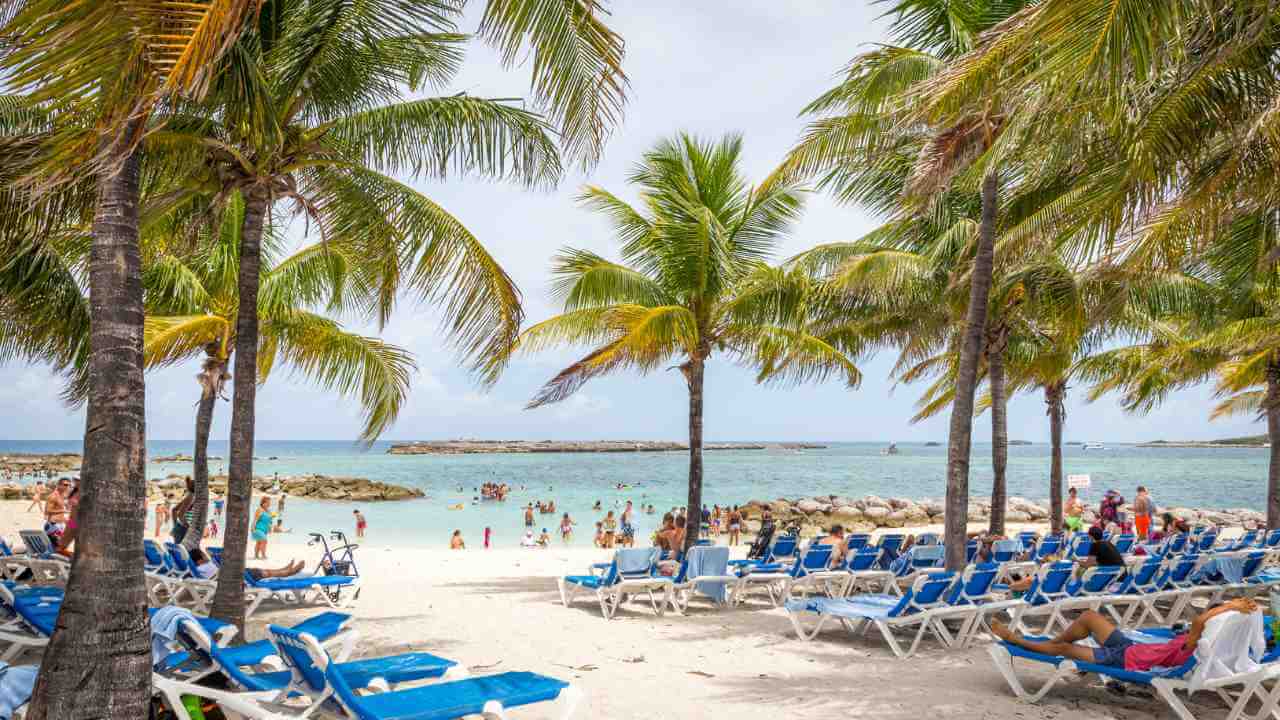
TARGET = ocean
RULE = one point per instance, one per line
(1189, 477)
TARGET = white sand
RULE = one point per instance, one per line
(496, 610)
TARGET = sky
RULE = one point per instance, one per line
(704, 67)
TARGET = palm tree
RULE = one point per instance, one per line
(879, 124)
(1214, 318)
(692, 281)
(907, 282)
(310, 110)
(192, 307)
(110, 62)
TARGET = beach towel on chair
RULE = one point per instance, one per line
(1232, 644)
(16, 685)
(164, 630)
(710, 561)
(633, 561)
(1007, 546)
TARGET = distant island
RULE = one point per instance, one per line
(1019, 442)
(480, 447)
(1248, 441)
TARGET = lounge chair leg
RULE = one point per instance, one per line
(887, 632)
(569, 700)
(493, 710)
(1166, 693)
(1004, 664)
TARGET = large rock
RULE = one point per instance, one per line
(876, 514)
(1017, 516)
(896, 519)
(933, 507)
(898, 503)
(873, 501)
(847, 515)
(808, 507)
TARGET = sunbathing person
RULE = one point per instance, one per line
(839, 546)
(289, 570)
(1116, 649)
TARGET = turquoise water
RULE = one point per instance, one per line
(1199, 477)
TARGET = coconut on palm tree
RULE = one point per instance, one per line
(192, 305)
(692, 282)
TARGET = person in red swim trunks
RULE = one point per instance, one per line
(1116, 649)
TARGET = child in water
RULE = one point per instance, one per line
(455, 542)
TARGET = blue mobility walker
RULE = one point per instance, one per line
(339, 559)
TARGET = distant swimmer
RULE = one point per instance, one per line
(459, 506)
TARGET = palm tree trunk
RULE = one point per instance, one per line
(98, 661)
(1054, 395)
(961, 431)
(999, 434)
(209, 384)
(693, 518)
(1272, 407)
(228, 599)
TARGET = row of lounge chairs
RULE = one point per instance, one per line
(171, 580)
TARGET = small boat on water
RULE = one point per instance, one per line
(1093, 446)
(891, 450)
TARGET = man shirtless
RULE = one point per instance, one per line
(55, 508)
(839, 546)
(1114, 647)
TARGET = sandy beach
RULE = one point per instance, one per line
(498, 609)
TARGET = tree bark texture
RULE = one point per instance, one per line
(693, 519)
(999, 432)
(1054, 397)
(98, 661)
(960, 435)
(228, 601)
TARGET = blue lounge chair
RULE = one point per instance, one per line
(886, 612)
(1206, 670)
(337, 591)
(377, 673)
(857, 541)
(194, 657)
(1125, 543)
(1094, 588)
(857, 574)
(889, 546)
(782, 550)
(704, 571)
(1047, 585)
(776, 581)
(974, 587)
(632, 572)
(490, 695)
(1135, 590)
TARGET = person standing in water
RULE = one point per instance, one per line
(361, 524)
(528, 516)
(566, 528)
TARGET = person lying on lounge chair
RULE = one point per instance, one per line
(289, 570)
(1116, 649)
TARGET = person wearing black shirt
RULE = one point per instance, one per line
(1102, 552)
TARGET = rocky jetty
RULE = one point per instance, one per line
(474, 447)
(315, 487)
(47, 465)
(869, 513)
(181, 458)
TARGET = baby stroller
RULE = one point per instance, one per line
(760, 546)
